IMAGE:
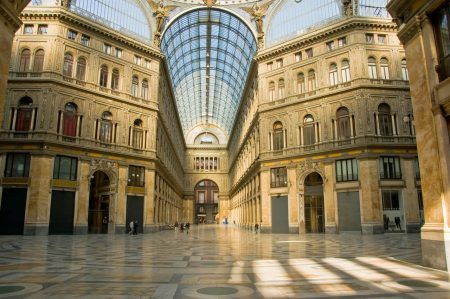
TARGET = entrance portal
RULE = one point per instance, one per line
(314, 206)
(206, 202)
(99, 196)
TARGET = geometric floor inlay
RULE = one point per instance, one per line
(217, 261)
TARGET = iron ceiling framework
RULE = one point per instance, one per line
(209, 52)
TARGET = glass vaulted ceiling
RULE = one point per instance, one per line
(209, 52)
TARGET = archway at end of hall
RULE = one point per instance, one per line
(314, 204)
(99, 200)
(206, 196)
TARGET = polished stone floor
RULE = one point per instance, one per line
(217, 262)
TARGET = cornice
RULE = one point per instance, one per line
(67, 16)
(322, 34)
(10, 16)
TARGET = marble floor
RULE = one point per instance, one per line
(217, 262)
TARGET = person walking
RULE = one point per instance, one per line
(256, 228)
(187, 228)
(131, 228)
(176, 226)
(135, 227)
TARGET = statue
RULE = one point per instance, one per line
(347, 7)
(161, 12)
(258, 12)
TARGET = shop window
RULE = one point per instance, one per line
(391, 200)
(136, 176)
(390, 168)
(346, 170)
(65, 168)
(278, 177)
(17, 165)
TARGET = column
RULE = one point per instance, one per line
(149, 201)
(121, 200)
(377, 123)
(394, 127)
(82, 198)
(410, 199)
(301, 135)
(336, 130)
(39, 195)
(14, 117)
(329, 199)
(371, 213)
(265, 201)
(292, 200)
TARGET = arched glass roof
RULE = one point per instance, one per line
(373, 8)
(293, 18)
(209, 52)
(126, 16)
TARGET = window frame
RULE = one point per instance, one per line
(136, 176)
(278, 177)
(10, 164)
(73, 169)
(390, 168)
(345, 165)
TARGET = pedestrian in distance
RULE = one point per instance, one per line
(256, 228)
(176, 226)
(131, 225)
(187, 228)
(135, 227)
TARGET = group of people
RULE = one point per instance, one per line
(389, 225)
(183, 226)
(133, 227)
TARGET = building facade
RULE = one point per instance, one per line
(307, 131)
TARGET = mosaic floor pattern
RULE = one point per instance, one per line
(217, 262)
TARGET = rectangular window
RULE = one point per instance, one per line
(391, 200)
(137, 60)
(65, 168)
(85, 40)
(441, 24)
(28, 29)
(201, 197)
(369, 38)
(346, 170)
(330, 45)
(216, 197)
(136, 176)
(269, 66)
(390, 168)
(147, 64)
(278, 177)
(42, 29)
(72, 34)
(17, 165)
(118, 53)
(279, 63)
(381, 38)
(309, 53)
(298, 56)
(107, 48)
(342, 42)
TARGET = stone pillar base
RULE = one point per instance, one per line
(294, 230)
(120, 229)
(35, 230)
(412, 228)
(80, 230)
(371, 229)
(434, 243)
(331, 229)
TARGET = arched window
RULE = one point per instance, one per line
(81, 69)
(137, 134)
(24, 65)
(70, 120)
(144, 89)
(385, 120)
(24, 116)
(106, 127)
(280, 88)
(311, 80)
(343, 123)
(384, 68)
(103, 76)
(278, 136)
(405, 74)
(272, 91)
(134, 86)
(333, 74)
(345, 71)
(115, 79)
(38, 64)
(68, 65)
(309, 132)
(372, 64)
(301, 83)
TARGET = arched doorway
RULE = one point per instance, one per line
(99, 198)
(206, 202)
(314, 205)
